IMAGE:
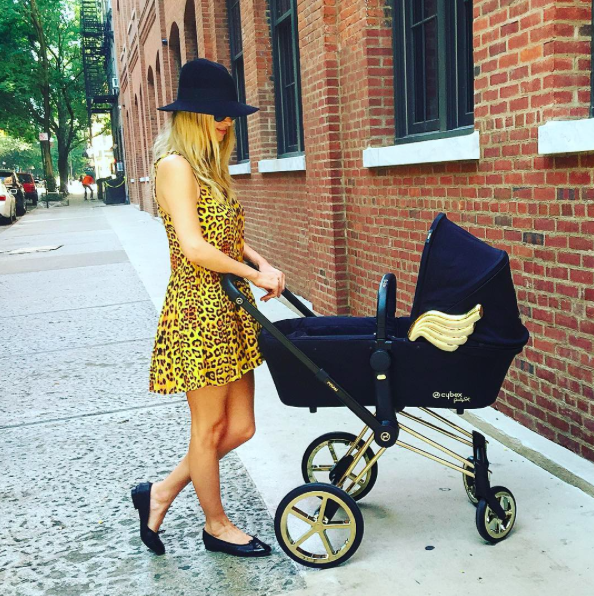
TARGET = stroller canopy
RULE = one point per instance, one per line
(459, 271)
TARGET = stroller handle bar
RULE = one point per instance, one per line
(386, 298)
(239, 298)
(383, 423)
(229, 280)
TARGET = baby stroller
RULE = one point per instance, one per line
(453, 351)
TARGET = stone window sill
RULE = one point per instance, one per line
(456, 148)
(282, 164)
(566, 136)
(244, 167)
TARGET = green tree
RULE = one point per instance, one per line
(20, 154)
(25, 156)
(41, 77)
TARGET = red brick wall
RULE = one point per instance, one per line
(535, 66)
(276, 204)
(338, 227)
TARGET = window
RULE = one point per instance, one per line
(236, 44)
(433, 68)
(287, 79)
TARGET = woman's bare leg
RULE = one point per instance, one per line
(239, 412)
(240, 427)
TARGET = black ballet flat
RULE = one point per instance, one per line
(141, 497)
(254, 548)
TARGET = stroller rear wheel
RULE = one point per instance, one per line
(469, 484)
(318, 534)
(326, 456)
(489, 526)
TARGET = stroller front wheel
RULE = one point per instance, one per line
(326, 457)
(318, 525)
(489, 526)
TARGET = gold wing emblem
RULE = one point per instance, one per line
(444, 331)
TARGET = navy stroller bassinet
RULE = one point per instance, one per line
(457, 273)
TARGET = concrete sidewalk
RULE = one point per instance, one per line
(78, 428)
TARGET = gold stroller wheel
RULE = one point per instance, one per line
(324, 453)
(318, 525)
(489, 526)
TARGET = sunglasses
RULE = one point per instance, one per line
(221, 118)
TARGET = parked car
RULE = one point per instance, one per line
(12, 182)
(29, 187)
(7, 204)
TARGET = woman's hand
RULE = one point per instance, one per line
(270, 279)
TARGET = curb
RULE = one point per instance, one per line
(545, 461)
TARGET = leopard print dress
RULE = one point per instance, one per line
(202, 337)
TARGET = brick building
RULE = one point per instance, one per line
(375, 115)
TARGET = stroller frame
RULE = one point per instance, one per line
(469, 469)
(384, 424)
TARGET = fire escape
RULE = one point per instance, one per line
(96, 39)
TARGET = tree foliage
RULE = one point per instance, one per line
(20, 154)
(25, 156)
(41, 75)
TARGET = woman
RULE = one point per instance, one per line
(205, 345)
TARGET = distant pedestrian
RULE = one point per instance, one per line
(205, 346)
(86, 182)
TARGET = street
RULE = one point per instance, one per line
(78, 428)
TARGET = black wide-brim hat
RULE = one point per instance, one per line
(207, 87)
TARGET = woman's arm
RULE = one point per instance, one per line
(251, 255)
(264, 266)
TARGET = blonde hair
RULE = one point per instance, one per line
(194, 136)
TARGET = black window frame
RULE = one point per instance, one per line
(454, 71)
(237, 71)
(284, 33)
